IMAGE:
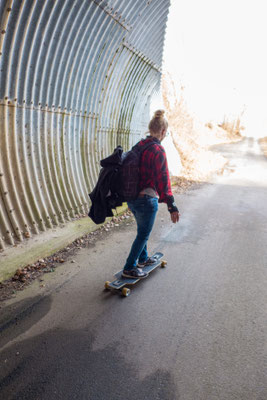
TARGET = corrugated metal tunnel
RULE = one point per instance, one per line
(76, 79)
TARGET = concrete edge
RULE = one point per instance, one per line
(46, 244)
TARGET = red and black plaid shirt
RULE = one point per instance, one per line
(154, 172)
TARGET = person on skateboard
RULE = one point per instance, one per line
(155, 187)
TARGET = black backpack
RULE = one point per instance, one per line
(130, 171)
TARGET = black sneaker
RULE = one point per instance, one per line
(134, 273)
(149, 261)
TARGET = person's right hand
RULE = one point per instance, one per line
(175, 216)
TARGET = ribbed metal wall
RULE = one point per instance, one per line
(76, 78)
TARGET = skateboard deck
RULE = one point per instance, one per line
(120, 282)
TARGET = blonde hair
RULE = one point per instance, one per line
(158, 123)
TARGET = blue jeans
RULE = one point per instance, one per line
(144, 210)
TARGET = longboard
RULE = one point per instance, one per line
(120, 282)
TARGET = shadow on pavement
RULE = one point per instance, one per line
(60, 364)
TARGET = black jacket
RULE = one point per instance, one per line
(106, 194)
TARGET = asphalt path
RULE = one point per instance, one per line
(193, 331)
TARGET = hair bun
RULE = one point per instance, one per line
(159, 114)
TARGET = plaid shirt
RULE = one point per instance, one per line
(154, 172)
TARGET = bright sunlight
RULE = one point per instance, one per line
(215, 50)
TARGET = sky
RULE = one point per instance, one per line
(217, 50)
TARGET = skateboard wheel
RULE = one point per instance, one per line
(126, 292)
(107, 284)
(163, 264)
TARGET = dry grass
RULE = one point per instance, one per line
(233, 127)
(263, 144)
(193, 138)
